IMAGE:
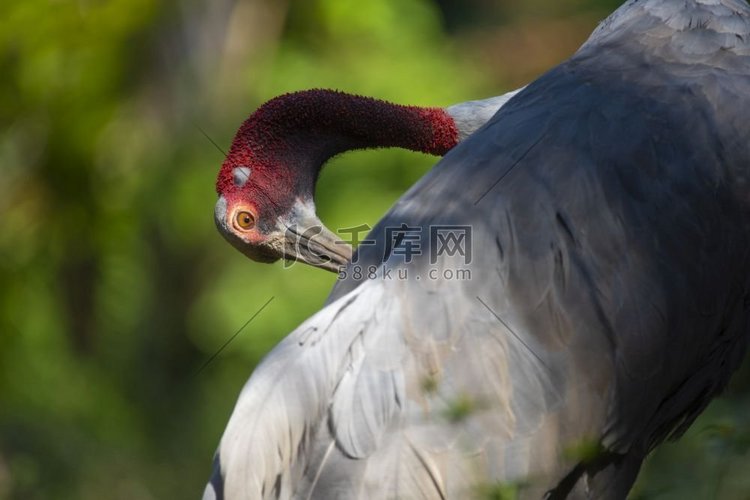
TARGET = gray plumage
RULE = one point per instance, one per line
(609, 299)
(471, 115)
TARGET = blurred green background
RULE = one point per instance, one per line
(115, 287)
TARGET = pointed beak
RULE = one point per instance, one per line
(309, 241)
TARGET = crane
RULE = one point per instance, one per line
(608, 294)
(283, 146)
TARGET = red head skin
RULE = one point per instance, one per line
(287, 140)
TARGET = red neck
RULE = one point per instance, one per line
(300, 131)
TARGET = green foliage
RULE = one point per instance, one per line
(460, 409)
(115, 287)
(498, 491)
(430, 385)
(709, 462)
(585, 451)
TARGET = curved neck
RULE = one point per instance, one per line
(302, 130)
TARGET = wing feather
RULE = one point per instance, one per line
(607, 300)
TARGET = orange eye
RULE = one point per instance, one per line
(244, 220)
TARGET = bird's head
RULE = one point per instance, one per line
(265, 187)
(270, 217)
(267, 181)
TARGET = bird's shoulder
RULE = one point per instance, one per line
(678, 31)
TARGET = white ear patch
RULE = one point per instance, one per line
(241, 176)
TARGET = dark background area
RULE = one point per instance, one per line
(115, 287)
